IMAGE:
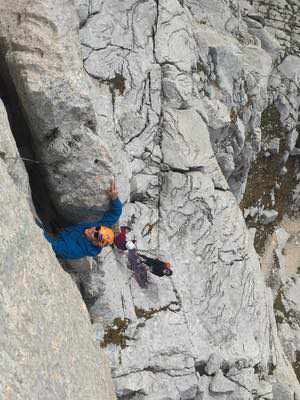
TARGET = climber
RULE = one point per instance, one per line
(87, 239)
(155, 265)
(137, 263)
(121, 239)
(137, 266)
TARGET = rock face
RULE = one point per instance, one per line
(180, 100)
(48, 350)
(41, 53)
(10, 156)
(281, 19)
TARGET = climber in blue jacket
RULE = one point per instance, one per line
(88, 239)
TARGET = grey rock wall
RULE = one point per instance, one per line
(215, 70)
(169, 96)
(10, 156)
(47, 346)
(281, 19)
(40, 50)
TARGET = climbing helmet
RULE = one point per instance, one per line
(105, 235)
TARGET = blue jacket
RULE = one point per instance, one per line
(71, 244)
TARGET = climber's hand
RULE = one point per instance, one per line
(113, 192)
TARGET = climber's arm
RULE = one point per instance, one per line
(112, 216)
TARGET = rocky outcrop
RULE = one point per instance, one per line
(48, 348)
(178, 99)
(10, 155)
(40, 51)
(215, 86)
(281, 19)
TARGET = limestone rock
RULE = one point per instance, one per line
(214, 364)
(288, 337)
(268, 216)
(268, 42)
(281, 391)
(245, 378)
(56, 100)
(291, 294)
(276, 14)
(44, 353)
(220, 384)
(210, 114)
(265, 390)
(290, 67)
(9, 154)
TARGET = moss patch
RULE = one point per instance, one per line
(233, 116)
(115, 334)
(271, 279)
(270, 123)
(147, 314)
(264, 177)
(278, 304)
(199, 22)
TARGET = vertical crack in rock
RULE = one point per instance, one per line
(23, 137)
(56, 97)
(154, 30)
(140, 133)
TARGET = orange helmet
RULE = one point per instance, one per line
(106, 235)
(167, 264)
